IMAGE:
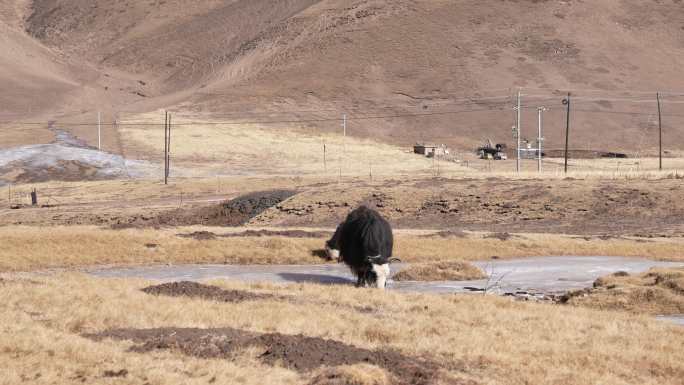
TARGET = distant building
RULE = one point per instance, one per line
(431, 150)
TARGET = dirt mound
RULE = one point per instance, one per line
(500, 236)
(115, 373)
(200, 235)
(198, 290)
(208, 235)
(351, 375)
(440, 271)
(447, 234)
(296, 352)
(235, 212)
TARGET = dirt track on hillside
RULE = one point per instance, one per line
(278, 60)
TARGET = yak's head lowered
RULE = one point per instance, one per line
(378, 273)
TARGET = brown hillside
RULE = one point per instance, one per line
(457, 63)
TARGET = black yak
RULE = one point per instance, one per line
(364, 242)
(332, 246)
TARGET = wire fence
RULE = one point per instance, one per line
(608, 132)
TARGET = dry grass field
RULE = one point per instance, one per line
(59, 326)
(77, 246)
(261, 173)
(451, 339)
(202, 146)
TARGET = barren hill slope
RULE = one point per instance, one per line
(453, 63)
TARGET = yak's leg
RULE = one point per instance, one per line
(360, 280)
(382, 273)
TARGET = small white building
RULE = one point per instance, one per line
(431, 150)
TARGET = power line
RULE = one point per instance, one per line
(74, 124)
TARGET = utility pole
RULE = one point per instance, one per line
(517, 129)
(166, 144)
(344, 126)
(540, 110)
(567, 129)
(344, 143)
(168, 153)
(99, 141)
(660, 135)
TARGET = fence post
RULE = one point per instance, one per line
(517, 164)
(168, 152)
(166, 143)
(567, 129)
(660, 135)
(99, 129)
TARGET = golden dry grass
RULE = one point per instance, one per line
(212, 147)
(657, 292)
(28, 248)
(440, 271)
(487, 339)
(17, 135)
(74, 246)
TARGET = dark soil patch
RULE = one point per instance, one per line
(235, 212)
(199, 235)
(584, 154)
(115, 373)
(500, 236)
(207, 235)
(295, 352)
(447, 234)
(198, 290)
(240, 210)
(281, 233)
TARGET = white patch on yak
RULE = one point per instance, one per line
(333, 254)
(382, 273)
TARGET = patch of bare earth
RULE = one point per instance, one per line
(198, 290)
(582, 207)
(208, 235)
(234, 212)
(295, 352)
(656, 292)
(440, 271)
